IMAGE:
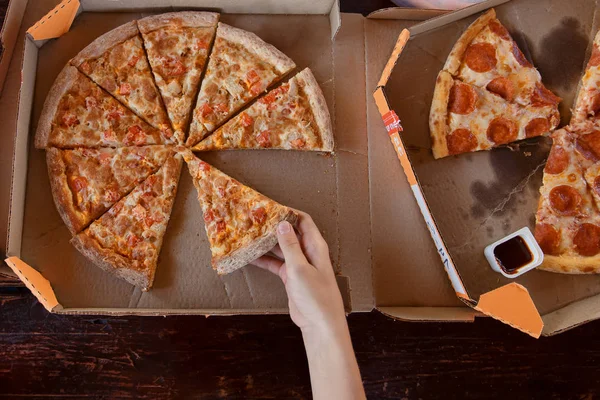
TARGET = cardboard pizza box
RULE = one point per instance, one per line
(471, 200)
(8, 34)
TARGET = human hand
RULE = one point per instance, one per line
(303, 264)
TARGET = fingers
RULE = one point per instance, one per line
(277, 251)
(315, 246)
(269, 263)
(289, 244)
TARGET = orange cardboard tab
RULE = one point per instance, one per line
(39, 286)
(57, 22)
(389, 67)
(512, 305)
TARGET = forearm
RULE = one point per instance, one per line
(334, 372)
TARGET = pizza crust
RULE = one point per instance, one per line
(112, 262)
(61, 193)
(318, 106)
(254, 249)
(567, 264)
(438, 115)
(186, 19)
(269, 53)
(105, 42)
(456, 55)
(64, 81)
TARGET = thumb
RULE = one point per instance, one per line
(290, 246)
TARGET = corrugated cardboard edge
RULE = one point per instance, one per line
(35, 282)
(10, 31)
(430, 314)
(511, 303)
(57, 22)
(411, 14)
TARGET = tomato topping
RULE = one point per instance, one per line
(90, 102)
(115, 114)
(298, 143)
(133, 61)
(259, 215)
(246, 120)
(70, 119)
(264, 139)
(221, 226)
(209, 215)
(139, 211)
(167, 132)
(125, 88)
(221, 107)
(205, 110)
(79, 183)
(109, 135)
(104, 158)
(135, 135)
(252, 77)
(111, 195)
(85, 67)
(256, 89)
(132, 240)
(174, 67)
(204, 166)
(201, 44)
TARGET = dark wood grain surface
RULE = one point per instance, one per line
(45, 355)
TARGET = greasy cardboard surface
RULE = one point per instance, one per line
(478, 198)
(184, 278)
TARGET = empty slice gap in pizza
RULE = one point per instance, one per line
(126, 241)
(87, 182)
(486, 57)
(79, 113)
(117, 62)
(178, 46)
(240, 222)
(466, 118)
(240, 68)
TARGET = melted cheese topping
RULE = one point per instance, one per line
(88, 116)
(178, 55)
(282, 119)
(124, 72)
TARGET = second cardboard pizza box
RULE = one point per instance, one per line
(340, 191)
(471, 200)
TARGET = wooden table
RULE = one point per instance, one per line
(47, 355)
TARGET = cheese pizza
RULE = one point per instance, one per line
(293, 116)
(126, 240)
(240, 68)
(116, 61)
(587, 101)
(178, 45)
(240, 222)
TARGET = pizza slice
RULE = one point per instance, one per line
(241, 67)
(87, 182)
(587, 102)
(567, 221)
(293, 116)
(178, 45)
(117, 62)
(126, 240)
(467, 118)
(77, 112)
(486, 56)
(239, 221)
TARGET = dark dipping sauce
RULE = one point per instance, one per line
(513, 254)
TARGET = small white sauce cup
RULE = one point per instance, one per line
(529, 239)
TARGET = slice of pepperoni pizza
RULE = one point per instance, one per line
(240, 222)
(587, 103)
(241, 67)
(116, 61)
(86, 182)
(78, 112)
(487, 56)
(567, 220)
(293, 116)
(178, 45)
(126, 240)
(467, 118)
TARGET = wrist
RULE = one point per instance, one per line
(334, 330)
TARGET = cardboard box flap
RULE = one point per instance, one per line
(391, 63)
(512, 305)
(571, 316)
(39, 286)
(405, 13)
(445, 314)
(57, 22)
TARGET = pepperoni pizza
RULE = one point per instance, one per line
(488, 93)
(587, 103)
(240, 222)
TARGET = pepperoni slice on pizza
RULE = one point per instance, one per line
(241, 67)
(466, 118)
(178, 45)
(126, 240)
(240, 222)
(87, 182)
(294, 116)
(117, 62)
